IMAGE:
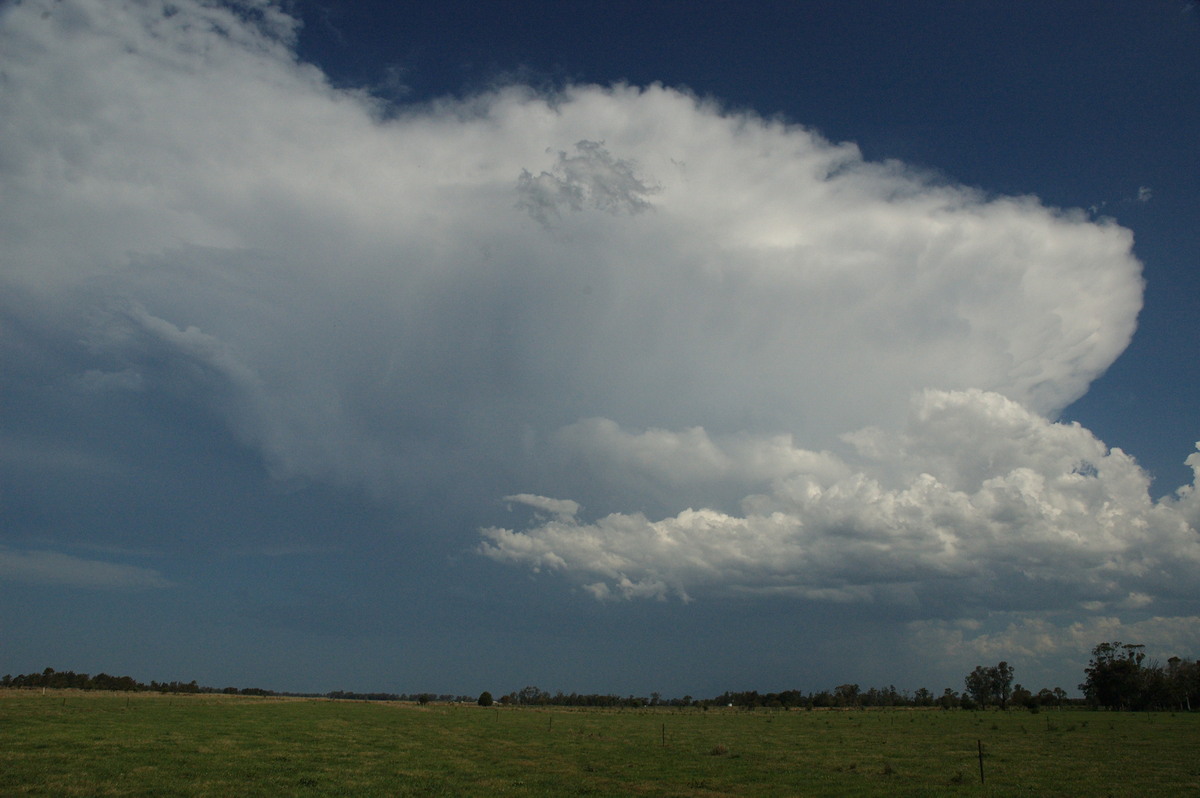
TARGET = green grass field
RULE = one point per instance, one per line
(71, 743)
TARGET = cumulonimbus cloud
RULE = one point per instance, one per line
(631, 276)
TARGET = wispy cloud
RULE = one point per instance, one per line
(65, 570)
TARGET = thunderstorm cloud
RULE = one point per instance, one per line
(715, 354)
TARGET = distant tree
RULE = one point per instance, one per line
(532, 695)
(1002, 679)
(1114, 676)
(990, 685)
(1023, 697)
(1183, 683)
(846, 695)
(978, 685)
(485, 699)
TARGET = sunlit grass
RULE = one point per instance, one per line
(114, 744)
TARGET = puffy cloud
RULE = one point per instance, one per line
(977, 502)
(56, 568)
(591, 179)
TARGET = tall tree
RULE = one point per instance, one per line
(990, 685)
(1114, 675)
(1002, 679)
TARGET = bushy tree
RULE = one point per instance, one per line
(532, 695)
(846, 695)
(1183, 682)
(485, 699)
(1119, 677)
(1114, 676)
(990, 685)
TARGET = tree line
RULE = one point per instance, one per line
(1118, 677)
(844, 696)
(59, 680)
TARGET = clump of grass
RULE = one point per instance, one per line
(888, 770)
(718, 750)
(957, 778)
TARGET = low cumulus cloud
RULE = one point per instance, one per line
(975, 503)
(632, 279)
(64, 570)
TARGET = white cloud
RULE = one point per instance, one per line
(364, 298)
(55, 568)
(374, 276)
(691, 455)
(563, 509)
(590, 179)
(976, 502)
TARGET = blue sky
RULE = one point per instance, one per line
(601, 347)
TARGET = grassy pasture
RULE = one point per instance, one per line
(72, 743)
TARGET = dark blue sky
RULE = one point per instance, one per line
(614, 347)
